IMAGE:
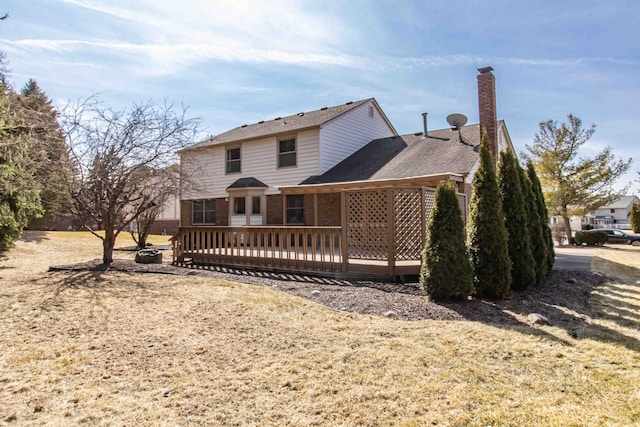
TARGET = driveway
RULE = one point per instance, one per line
(574, 258)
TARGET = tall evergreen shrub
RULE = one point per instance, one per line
(446, 272)
(523, 274)
(538, 247)
(544, 217)
(486, 232)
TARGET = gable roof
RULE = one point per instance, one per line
(407, 156)
(294, 122)
(622, 203)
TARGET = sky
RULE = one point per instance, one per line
(241, 61)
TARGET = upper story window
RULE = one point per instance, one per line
(203, 212)
(613, 211)
(233, 160)
(287, 153)
(295, 209)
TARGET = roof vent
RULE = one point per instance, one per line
(243, 126)
(418, 133)
(323, 108)
(277, 118)
(349, 103)
(300, 114)
(261, 122)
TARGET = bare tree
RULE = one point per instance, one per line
(119, 159)
(163, 187)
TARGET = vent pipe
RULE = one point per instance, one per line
(424, 124)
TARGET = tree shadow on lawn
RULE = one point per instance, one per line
(36, 236)
(567, 299)
(93, 287)
(564, 298)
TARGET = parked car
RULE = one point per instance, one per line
(619, 236)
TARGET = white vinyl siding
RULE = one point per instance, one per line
(259, 160)
(349, 132)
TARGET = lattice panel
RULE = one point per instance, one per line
(367, 224)
(408, 223)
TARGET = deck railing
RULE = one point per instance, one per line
(290, 248)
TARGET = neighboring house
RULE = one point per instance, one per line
(345, 186)
(166, 184)
(615, 215)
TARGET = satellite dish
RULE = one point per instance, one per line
(457, 120)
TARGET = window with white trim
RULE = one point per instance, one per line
(287, 156)
(239, 206)
(203, 212)
(255, 205)
(233, 160)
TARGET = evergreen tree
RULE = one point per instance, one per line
(523, 274)
(574, 184)
(544, 217)
(486, 233)
(19, 197)
(51, 174)
(538, 246)
(446, 271)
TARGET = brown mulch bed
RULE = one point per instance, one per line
(564, 298)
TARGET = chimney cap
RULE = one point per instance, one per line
(485, 70)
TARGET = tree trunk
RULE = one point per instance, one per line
(107, 247)
(567, 226)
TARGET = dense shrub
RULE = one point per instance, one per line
(486, 232)
(446, 272)
(523, 273)
(536, 233)
(591, 238)
(544, 216)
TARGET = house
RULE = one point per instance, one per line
(344, 167)
(614, 215)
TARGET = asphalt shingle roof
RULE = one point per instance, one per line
(293, 122)
(408, 156)
(249, 182)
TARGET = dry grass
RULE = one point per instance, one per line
(107, 348)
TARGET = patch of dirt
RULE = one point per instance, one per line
(564, 297)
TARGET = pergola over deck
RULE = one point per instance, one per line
(382, 233)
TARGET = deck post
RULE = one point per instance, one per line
(423, 216)
(344, 252)
(391, 233)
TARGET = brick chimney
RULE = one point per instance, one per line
(487, 107)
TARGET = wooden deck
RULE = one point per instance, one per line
(308, 250)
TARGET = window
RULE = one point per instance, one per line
(295, 209)
(203, 212)
(238, 206)
(233, 160)
(287, 153)
(255, 205)
(613, 211)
